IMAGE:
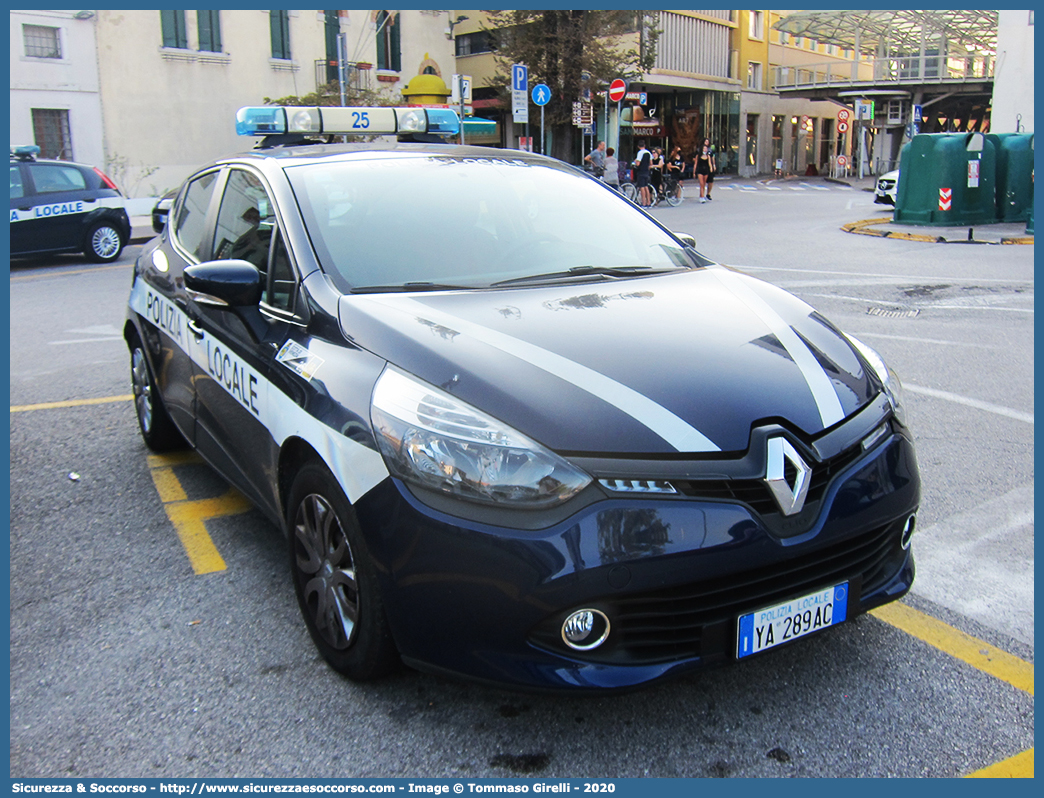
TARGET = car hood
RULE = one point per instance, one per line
(677, 363)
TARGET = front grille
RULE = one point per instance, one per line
(699, 619)
(755, 492)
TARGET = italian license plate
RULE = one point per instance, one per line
(792, 619)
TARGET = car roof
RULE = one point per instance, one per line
(30, 161)
(311, 153)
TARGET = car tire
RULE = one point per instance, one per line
(335, 580)
(157, 429)
(104, 243)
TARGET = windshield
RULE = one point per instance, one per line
(436, 221)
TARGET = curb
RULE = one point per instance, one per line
(865, 227)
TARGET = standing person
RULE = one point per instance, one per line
(675, 166)
(612, 169)
(714, 171)
(656, 171)
(597, 159)
(704, 167)
(642, 163)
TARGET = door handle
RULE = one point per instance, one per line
(197, 331)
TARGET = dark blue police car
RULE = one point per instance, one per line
(59, 206)
(513, 428)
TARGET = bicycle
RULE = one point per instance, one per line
(670, 190)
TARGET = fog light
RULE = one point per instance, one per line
(584, 630)
(908, 531)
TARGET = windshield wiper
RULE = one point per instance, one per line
(588, 271)
(406, 287)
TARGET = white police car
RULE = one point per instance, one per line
(513, 428)
(59, 206)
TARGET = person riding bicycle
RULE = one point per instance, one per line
(675, 167)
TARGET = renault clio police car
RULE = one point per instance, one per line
(514, 429)
(59, 206)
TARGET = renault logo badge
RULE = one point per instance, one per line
(789, 495)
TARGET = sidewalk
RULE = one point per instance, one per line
(141, 229)
(884, 227)
(881, 224)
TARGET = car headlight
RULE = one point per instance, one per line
(436, 441)
(889, 379)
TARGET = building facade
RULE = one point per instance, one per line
(713, 78)
(151, 95)
(55, 90)
(1014, 73)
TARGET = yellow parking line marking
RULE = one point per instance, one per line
(975, 652)
(71, 403)
(167, 485)
(1019, 766)
(187, 516)
(186, 457)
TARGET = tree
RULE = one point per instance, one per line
(559, 47)
(330, 95)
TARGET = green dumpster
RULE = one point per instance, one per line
(1014, 175)
(947, 179)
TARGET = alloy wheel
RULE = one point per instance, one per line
(327, 570)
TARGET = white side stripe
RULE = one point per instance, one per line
(50, 211)
(676, 431)
(356, 467)
(830, 410)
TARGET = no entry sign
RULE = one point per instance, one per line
(617, 89)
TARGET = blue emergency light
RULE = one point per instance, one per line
(24, 152)
(279, 120)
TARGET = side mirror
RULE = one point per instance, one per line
(687, 239)
(224, 283)
(161, 212)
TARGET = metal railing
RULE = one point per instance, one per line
(357, 74)
(898, 71)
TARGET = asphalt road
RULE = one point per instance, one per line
(127, 663)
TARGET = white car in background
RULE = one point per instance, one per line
(884, 191)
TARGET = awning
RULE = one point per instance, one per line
(966, 33)
(480, 131)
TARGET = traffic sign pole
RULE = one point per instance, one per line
(541, 96)
(520, 97)
(617, 90)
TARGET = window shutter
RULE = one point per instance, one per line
(173, 25)
(396, 51)
(382, 54)
(280, 21)
(209, 30)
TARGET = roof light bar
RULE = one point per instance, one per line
(24, 150)
(276, 120)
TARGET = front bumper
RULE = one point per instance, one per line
(672, 575)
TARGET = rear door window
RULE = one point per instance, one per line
(52, 178)
(190, 225)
